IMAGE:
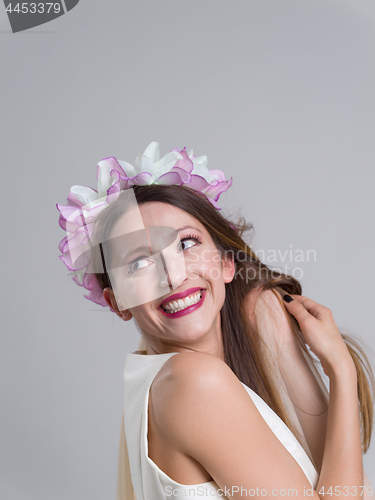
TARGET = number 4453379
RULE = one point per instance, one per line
(33, 8)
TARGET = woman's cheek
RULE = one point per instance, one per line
(192, 256)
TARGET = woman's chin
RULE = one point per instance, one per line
(193, 331)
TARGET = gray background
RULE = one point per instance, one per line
(278, 94)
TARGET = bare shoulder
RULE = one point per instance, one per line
(201, 410)
(189, 385)
(188, 372)
(195, 366)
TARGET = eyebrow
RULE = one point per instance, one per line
(148, 249)
(188, 227)
(142, 248)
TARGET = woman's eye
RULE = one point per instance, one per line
(185, 244)
(139, 264)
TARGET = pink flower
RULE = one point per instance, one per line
(209, 182)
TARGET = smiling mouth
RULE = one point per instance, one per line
(175, 306)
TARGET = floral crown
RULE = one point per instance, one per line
(84, 204)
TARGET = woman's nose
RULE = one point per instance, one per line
(164, 281)
(174, 271)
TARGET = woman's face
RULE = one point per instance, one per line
(187, 316)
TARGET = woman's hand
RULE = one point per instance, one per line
(320, 332)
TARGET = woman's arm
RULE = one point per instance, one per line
(302, 380)
(342, 467)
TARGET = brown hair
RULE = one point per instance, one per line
(244, 353)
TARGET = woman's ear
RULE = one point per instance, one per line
(228, 269)
(109, 297)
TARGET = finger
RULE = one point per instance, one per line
(298, 310)
(315, 309)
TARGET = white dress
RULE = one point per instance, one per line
(150, 482)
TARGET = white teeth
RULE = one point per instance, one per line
(181, 304)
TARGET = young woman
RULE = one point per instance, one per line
(223, 398)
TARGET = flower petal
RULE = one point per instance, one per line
(218, 174)
(201, 160)
(77, 276)
(69, 212)
(214, 203)
(92, 210)
(190, 154)
(103, 173)
(73, 240)
(128, 169)
(63, 223)
(166, 163)
(152, 152)
(144, 164)
(201, 170)
(119, 184)
(198, 183)
(185, 162)
(96, 293)
(81, 195)
(214, 191)
(141, 179)
(66, 258)
(62, 244)
(77, 253)
(169, 179)
(185, 176)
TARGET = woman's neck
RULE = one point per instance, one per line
(212, 345)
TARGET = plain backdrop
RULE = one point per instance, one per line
(278, 94)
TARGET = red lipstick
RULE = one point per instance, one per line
(187, 310)
(181, 295)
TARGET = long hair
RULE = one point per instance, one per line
(245, 351)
